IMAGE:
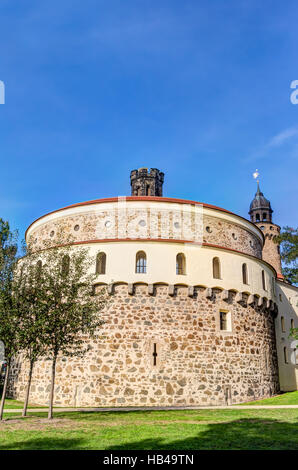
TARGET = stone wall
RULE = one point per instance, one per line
(270, 252)
(147, 223)
(196, 363)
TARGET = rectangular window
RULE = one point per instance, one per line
(282, 323)
(223, 321)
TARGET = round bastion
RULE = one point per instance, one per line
(199, 334)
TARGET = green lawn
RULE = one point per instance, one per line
(289, 398)
(154, 430)
(11, 404)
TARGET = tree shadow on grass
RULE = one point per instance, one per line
(46, 443)
(242, 434)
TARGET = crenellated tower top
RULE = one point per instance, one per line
(146, 183)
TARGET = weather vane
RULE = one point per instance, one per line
(256, 175)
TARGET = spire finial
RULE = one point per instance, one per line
(256, 175)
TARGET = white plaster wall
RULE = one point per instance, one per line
(161, 266)
(287, 300)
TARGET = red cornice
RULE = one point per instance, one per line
(145, 198)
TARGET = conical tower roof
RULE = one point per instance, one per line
(259, 202)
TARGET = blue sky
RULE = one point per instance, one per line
(198, 89)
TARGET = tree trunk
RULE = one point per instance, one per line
(28, 389)
(50, 413)
(4, 389)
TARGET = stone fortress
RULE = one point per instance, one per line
(198, 314)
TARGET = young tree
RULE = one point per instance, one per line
(70, 310)
(288, 240)
(9, 303)
(31, 312)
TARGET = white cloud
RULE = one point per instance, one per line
(282, 138)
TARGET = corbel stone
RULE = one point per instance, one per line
(130, 289)
(260, 301)
(225, 295)
(251, 300)
(268, 304)
(111, 289)
(191, 290)
(239, 297)
(171, 289)
(150, 289)
(208, 293)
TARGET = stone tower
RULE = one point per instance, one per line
(146, 183)
(261, 215)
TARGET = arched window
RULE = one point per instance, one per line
(286, 355)
(101, 263)
(180, 264)
(264, 216)
(263, 280)
(258, 217)
(65, 265)
(141, 262)
(282, 324)
(292, 324)
(216, 268)
(244, 274)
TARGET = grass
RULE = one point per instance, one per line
(153, 430)
(289, 398)
(11, 404)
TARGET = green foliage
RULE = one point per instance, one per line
(67, 312)
(62, 296)
(288, 240)
(9, 303)
(294, 333)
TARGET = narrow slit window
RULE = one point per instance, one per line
(141, 262)
(244, 274)
(154, 354)
(282, 324)
(216, 268)
(101, 260)
(286, 355)
(180, 264)
(263, 280)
